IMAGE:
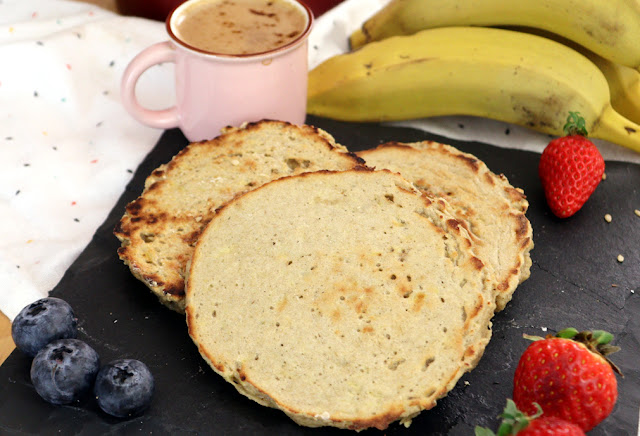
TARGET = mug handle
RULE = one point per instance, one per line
(153, 55)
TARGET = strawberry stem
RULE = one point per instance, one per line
(575, 125)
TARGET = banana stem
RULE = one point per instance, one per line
(357, 39)
(615, 128)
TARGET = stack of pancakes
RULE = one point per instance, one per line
(347, 291)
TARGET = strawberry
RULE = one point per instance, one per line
(551, 426)
(570, 169)
(515, 422)
(569, 376)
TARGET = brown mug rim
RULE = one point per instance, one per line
(277, 50)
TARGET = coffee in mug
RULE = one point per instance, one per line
(236, 61)
(240, 27)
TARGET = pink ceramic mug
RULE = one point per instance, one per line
(218, 90)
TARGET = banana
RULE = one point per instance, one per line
(501, 74)
(624, 82)
(624, 86)
(609, 28)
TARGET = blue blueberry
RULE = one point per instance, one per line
(41, 322)
(124, 388)
(64, 370)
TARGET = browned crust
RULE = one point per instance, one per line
(477, 263)
(489, 178)
(469, 161)
(523, 226)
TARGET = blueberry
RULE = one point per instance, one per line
(41, 322)
(64, 370)
(124, 388)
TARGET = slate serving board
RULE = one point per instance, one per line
(575, 281)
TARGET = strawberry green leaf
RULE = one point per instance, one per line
(568, 333)
(510, 410)
(602, 337)
(482, 431)
(575, 125)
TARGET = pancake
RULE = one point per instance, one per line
(346, 299)
(490, 207)
(160, 228)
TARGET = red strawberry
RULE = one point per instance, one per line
(570, 169)
(569, 376)
(515, 422)
(551, 426)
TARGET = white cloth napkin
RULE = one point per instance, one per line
(68, 148)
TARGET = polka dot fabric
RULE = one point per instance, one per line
(67, 146)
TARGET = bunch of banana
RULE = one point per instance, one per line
(605, 32)
(502, 74)
(609, 28)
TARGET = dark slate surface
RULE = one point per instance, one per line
(575, 281)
